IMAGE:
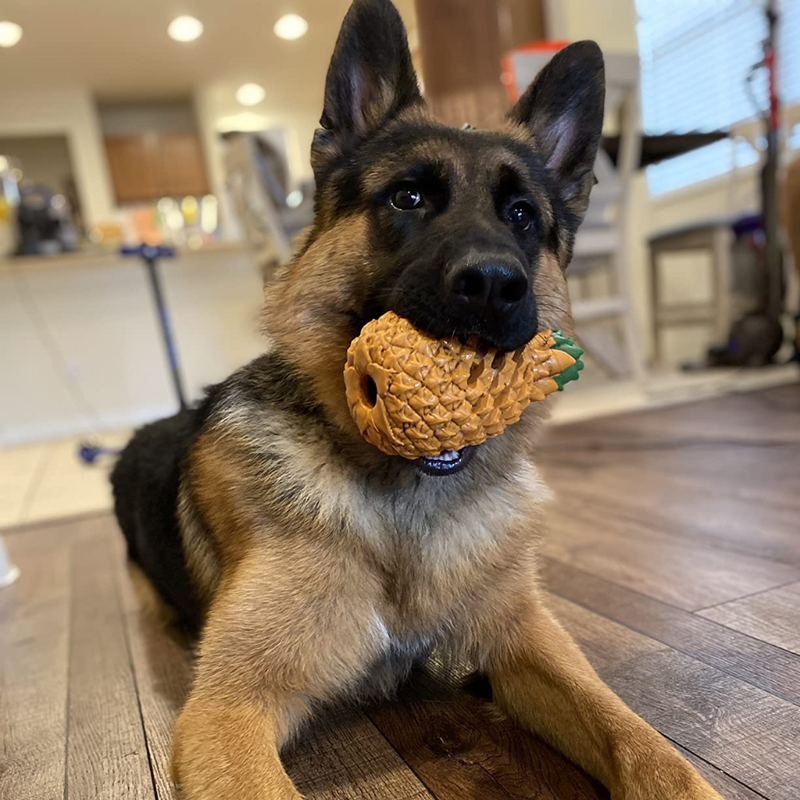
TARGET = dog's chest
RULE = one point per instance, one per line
(430, 582)
(434, 555)
(398, 656)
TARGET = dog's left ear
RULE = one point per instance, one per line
(563, 109)
(371, 79)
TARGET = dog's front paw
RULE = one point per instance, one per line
(669, 786)
(663, 775)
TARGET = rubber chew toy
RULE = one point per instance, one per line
(412, 395)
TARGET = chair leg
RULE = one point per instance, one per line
(655, 300)
(630, 330)
(722, 243)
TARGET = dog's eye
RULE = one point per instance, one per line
(407, 197)
(520, 215)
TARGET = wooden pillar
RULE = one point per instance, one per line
(462, 43)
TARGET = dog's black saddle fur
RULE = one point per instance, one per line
(145, 481)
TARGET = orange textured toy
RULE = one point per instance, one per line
(412, 395)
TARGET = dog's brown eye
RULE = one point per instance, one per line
(520, 215)
(407, 198)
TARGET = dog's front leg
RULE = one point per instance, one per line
(270, 648)
(541, 679)
(227, 747)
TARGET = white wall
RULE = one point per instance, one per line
(69, 111)
(611, 23)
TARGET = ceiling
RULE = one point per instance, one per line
(120, 48)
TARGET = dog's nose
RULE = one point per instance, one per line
(487, 286)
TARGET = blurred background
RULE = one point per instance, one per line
(187, 127)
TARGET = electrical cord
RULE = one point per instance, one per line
(758, 107)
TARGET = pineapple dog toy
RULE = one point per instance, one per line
(412, 395)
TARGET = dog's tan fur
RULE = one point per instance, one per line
(315, 564)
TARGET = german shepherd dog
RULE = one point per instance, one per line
(315, 566)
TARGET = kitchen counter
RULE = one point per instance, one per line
(81, 348)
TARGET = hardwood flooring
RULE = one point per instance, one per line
(675, 562)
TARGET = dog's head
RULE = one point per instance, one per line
(463, 232)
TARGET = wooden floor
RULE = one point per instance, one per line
(675, 563)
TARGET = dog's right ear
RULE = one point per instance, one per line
(371, 79)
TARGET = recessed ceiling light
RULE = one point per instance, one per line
(290, 26)
(185, 29)
(10, 34)
(250, 94)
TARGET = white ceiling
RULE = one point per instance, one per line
(120, 48)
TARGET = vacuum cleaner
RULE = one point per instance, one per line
(756, 337)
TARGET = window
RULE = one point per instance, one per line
(695, 58)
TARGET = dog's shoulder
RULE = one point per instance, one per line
(267, 385)
(262, 440)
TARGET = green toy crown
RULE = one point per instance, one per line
(572, 373)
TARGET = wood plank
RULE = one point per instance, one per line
(728, 417)
(679, 442)
(753, 474)
(772, 616)
(685, 506)
(608, 645)
(342, 756)
(750, 734)
(106, 751)
(770, 668)
(690, 575)
(459, 748)
(693, 526)
(162, 666)
(34, 648)
(605, 643)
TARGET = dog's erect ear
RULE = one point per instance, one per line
(563, 108)
(370, 79)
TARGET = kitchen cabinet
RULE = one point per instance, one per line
(152, 165)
